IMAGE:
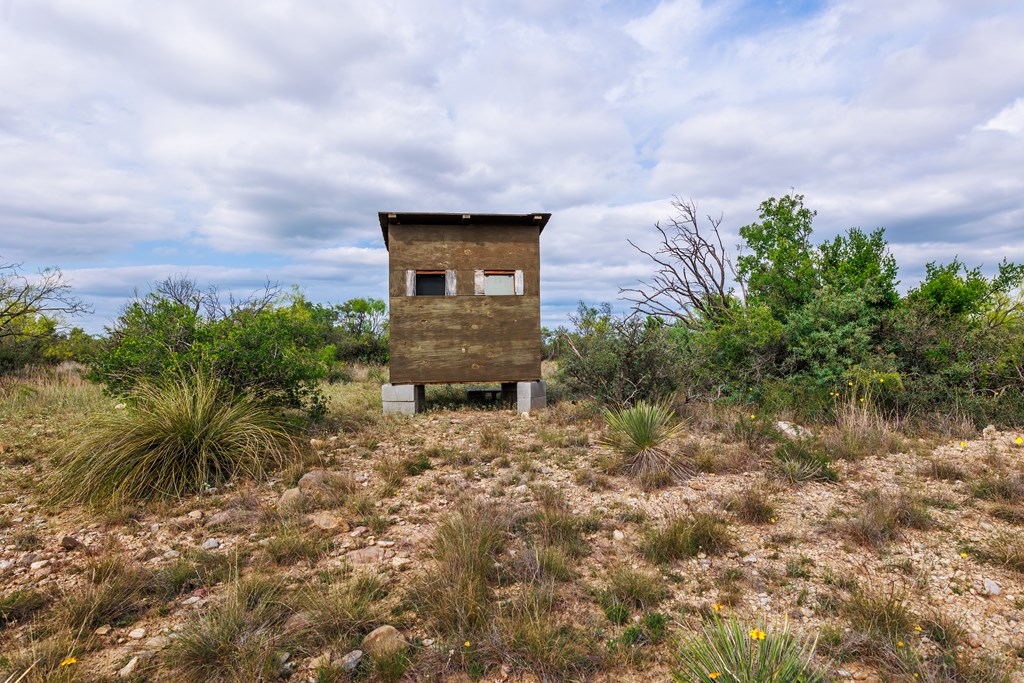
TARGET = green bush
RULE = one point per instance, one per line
(171, 440)
(273, 348)
(726, 651)
(616, 360)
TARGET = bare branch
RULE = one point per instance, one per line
(693, 278)
(23, 297)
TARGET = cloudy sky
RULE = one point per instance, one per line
(240, 141)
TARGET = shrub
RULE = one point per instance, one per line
(616, 360)
(686, 537)
(738, 654)
(271, 347)
(171, 440)
(639, 435)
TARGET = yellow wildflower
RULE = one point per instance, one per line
(917, 628)
(1019, 441)
(714, 674)
(899, 643)
(963, 554)
(963, 444)
(882, 380)
(757, 634)
(849, 384)
(717, 607)
(753, 417)
(465, 644)
(69, 661)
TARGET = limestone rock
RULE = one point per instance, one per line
(292, 499)
(211, 544)
(129, 668)
(349, 662)
(992, 588)
(137, 634)
(365, 556)
(793, 431)
(329, 521)
(383, 640)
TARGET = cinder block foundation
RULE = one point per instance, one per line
(406, 399)
(531, 396)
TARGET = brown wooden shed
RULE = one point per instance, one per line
(464, 294)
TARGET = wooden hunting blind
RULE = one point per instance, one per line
(464, 294)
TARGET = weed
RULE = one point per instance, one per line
(171, 440)
(735, 653)
(238, 639)
(799, 567)
(21, 605)
(1004, 549)
(556, 523)
(389, 667)
(595, 481)
(686, 536)
(112, 593)
(752, 505)
(495, 440)
(883, 515)
(194, 569)
(636, 589)
(454, 593)
(542, 563)
(292, 543)
(1002, 487)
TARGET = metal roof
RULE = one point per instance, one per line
(387, 218)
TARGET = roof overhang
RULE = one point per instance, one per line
(512, 220)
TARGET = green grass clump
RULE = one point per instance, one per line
(454, 593)
(637, 589)
(752, 505)
(238, 639)
(739, 654)
(113, 593)
(21, 605)
(883, 515)
(639, 435)
(345, 611)
(1002, 487)
(686, 537)
(171, 440)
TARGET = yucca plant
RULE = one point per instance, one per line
(726, 651)
(170, 440)
(639, 434)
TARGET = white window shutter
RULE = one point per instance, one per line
(449, 283)
(519, 283)
(410, 283)
(478, 282)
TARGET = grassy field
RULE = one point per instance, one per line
(519, 548)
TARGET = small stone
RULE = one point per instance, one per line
(211, 544)
(618, 535)
(5, 565)
(137, 634)
(358, 531)
(39, 564)
(195, 514)
(349, 662)
(129, 668)
(323, 659)
(104, 630)
(992, 588)
(70, 543)
(427, 642)
(158, 642)
(383, 640)
(401, 563)
(225, 517)
(191, 600)
(749, 559)
(171, 554)
(385, 544)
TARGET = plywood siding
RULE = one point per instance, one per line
(464, 338)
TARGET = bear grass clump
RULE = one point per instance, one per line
(172, 439)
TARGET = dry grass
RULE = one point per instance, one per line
(684, 537)
(882, 516)
(752, 504)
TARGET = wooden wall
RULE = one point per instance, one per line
(464, 338)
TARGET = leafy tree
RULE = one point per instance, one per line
(361, 331)
(860, 262)
(780, 269)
